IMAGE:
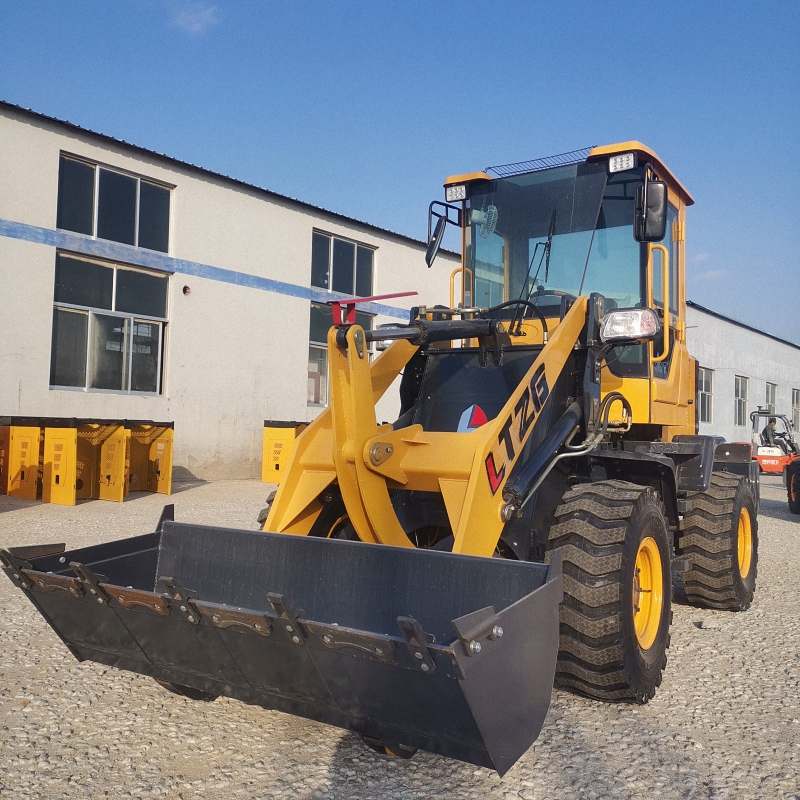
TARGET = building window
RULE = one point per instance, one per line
(341, 266)
(772, 393)
(321, 321)
(705, 392)
(337, 265)
(107, 204)
(108, 327)
(741, 400)
(796, 409)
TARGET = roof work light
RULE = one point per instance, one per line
(622, 162)
(454, 193)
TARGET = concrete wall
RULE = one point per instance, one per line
(236, 353)
(731, 349)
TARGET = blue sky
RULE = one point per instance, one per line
(364, 108)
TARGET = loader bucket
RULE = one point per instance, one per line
(423, 649)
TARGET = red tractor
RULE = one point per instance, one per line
(773, 456)
(781, 455)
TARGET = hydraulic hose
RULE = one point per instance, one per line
(526, 304)
(519, 489)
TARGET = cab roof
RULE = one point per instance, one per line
(644, 154)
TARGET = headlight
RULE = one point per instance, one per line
(454, 193)
(632, 324)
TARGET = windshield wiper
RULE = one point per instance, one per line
(591, 241)
(545, 258)
(549, 245)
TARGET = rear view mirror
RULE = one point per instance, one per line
(435, 241)
(448, 213)
(650, 211)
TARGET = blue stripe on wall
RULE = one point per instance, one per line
(77, 243)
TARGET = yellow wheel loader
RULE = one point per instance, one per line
(422, 583)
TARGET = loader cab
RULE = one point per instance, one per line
(551, 230)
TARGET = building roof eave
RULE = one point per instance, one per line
(717, 315)
(227, 178)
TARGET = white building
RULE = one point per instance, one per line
(136, 286)
(741, 368)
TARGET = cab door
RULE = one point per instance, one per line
(670, 369)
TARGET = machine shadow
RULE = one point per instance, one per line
(548, 769)
(8, 503)
(776, 509)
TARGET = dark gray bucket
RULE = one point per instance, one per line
(448, 653)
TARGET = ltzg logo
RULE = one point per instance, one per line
(516, 427)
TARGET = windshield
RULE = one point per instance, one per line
(567, 230)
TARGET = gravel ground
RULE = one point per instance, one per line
(725, 723)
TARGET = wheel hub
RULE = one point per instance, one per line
(745, 543)
(648, 598)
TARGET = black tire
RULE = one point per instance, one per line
(187, 691)
(710, 536)
(264, 513)
(793, 486)
(601, 528)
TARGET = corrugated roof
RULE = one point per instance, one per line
(188, 165)
(736, 322)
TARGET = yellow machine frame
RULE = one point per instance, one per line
(345, 443)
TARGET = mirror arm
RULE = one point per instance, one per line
(647, 169)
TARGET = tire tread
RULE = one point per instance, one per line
(708, 535)
(591, 528)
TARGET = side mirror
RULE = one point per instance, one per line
(448, 213)
(435, 241)
(650, 211)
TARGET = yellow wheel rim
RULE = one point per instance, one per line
(337, 526)
(745, 543)
(648, 597)
(793, 487)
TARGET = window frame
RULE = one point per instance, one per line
(771, 405)
(97, 166)
(332, 237)
(796, 409)
(705, 398)
(313, 344)
(741, 400)
(134, 318)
